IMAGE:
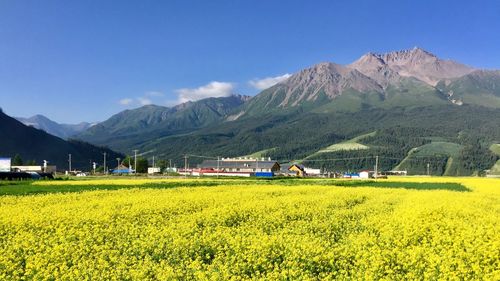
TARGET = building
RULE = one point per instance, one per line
(351, 176)
(297, 169)
(120, 170)
(366, 174)
(312, 172)
(154, 170)
(5, 165)
(35, 169)
(243, 167)
(395, 173)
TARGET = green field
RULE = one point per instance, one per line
(448, 150)
(352, 144)
(20, 188)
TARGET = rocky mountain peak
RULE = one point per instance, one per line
(415, 56)
(387, 68)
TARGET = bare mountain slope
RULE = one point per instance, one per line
(418, 63)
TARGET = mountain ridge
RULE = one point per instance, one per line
(34, 144)
(64, 131)
(395, 94)
(151, 121)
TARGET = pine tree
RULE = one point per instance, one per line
(17, 160)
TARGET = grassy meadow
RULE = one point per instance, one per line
(241, 229)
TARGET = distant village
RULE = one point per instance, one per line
(222, 167)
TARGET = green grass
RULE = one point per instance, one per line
(352, 144)
(436, 148)
(495, 148)
(406, 185)
(29, 189)
(26, 188)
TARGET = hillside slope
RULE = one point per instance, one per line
(129, 127)
(64, 131)
(34, 144)
(407, 97)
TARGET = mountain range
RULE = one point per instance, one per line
(37, 145)
(64, 131)
(410, 108)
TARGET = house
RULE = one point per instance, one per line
(284, 171)
(351, 176)
(35, 169)
(154, 170)
(312, 172)
(298, 169)
(238, 167)
(394, 173)
(122, 170)
(366, 174)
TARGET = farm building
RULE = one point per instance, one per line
(366, 174)
(154, 170)
(237, 167)
(36, 169)
(312, 172)
(297, 169)
(122, 170)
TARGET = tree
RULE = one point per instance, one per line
(17, 160)
(162, 164)
(127, 160)
(142, 163)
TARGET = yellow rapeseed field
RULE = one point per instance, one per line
(237, 232)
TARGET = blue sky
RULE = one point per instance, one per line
(86, 60)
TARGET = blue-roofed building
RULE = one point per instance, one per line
(120, 170)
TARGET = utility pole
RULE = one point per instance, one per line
(153, 161)
(169, 165)
(185, 165)
(376, 166)
(104, 168)
(69, 161)
(428, 169)
(118, 160)
(218, 165)
(135, 160)
(94, 164)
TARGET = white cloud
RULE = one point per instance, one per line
(126, 101)
(212, 89)
(144, 101)
(262, 84)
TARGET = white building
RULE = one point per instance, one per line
(366, 174)
(36, 169)
(154, 170)
(312, 172)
